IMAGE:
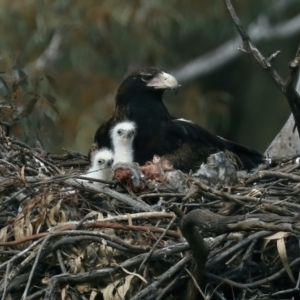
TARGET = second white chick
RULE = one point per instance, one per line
(122, 136)
(101, 163)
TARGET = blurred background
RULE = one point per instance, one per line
(61, 62)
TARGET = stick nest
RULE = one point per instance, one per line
(65, 238)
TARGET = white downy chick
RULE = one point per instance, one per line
(122, 136)
(101, 164)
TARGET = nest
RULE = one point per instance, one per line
(65, 238)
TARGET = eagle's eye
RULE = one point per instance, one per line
(100, 161)
(119, 132)
(147, 77)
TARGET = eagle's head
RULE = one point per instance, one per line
(147, 80)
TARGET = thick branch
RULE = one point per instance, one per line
(200, 250)
(212, 222)
(135, 205)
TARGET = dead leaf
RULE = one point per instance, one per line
(278, 235)
(8, 297)
(3, 234)
(283, 256)
(83, 288)
(64, 292)
(45, 280)
(78, 264)
(117, 290)
(49, 199)
(22, 174)
(93, 295)
(275, 236)
(62, 217)
(134, 274)
(54, 213)
(129, 219)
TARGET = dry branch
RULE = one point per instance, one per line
(288, 87)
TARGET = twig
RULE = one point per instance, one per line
(159, 280)
(230, 282)
(295, 289)
(170, 233)
(168, 287)
(156, 243)
(36, 295)
(50, 294)
(97, 274)
(61, 261)
(90, 216)
(135, 205)
(20, 254)
(266, 174)
(256, 283)
(157, 195)
(16, 270)
(224, 254)
(5, 280)
(34, 267)
(225, 196)
(195, 282)
(139, 216)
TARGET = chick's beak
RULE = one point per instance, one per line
(131, 133)
(110, 162)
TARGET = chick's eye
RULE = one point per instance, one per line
(100, 161)
(147, 77)
(119, 132)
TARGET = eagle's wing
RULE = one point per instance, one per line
(186, 143)
(102, 135)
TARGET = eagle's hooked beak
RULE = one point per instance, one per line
(164, 81)
(170, 81)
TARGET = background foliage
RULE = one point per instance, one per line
(62, 61)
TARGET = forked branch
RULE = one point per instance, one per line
(287, 87)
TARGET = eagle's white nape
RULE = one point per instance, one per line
(101, 164)
(122, 136)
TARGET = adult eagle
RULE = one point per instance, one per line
(185, 144)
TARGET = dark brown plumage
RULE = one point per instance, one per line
(185, 144)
